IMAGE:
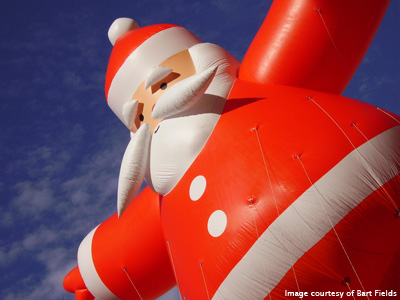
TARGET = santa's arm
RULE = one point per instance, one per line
(312, 44)
(74, 283)
(126, 257)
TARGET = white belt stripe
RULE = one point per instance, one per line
(305, 223)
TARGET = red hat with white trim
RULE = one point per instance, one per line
(136, 50)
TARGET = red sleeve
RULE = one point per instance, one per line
(314, 44)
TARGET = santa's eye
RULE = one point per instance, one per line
(163, 85)
(141, 117)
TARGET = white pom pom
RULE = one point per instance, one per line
(119, 27)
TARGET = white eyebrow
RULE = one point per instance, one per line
(129, 111)
(155, 74)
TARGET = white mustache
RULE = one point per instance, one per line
(183, 95)
(133, 167)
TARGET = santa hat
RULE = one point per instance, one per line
(136, 51)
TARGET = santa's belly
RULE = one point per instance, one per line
(293, 192)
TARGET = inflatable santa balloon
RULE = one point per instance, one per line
(262, 181)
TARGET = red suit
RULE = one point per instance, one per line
(283, 201)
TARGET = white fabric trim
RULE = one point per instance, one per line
(151, 52)
(304, 223)
(88, 271)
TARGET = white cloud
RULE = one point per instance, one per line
(10, 253)
(57, 262)
(63, 193)
(40, 239)
(6, 219)
(32, 198)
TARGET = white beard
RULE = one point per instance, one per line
(179, 138)
(190, 110)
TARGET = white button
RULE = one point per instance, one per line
(217, 223)
(197, 187)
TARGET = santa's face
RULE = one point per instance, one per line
(173, 70)
(172, 113)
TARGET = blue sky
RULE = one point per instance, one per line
(61, 146)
